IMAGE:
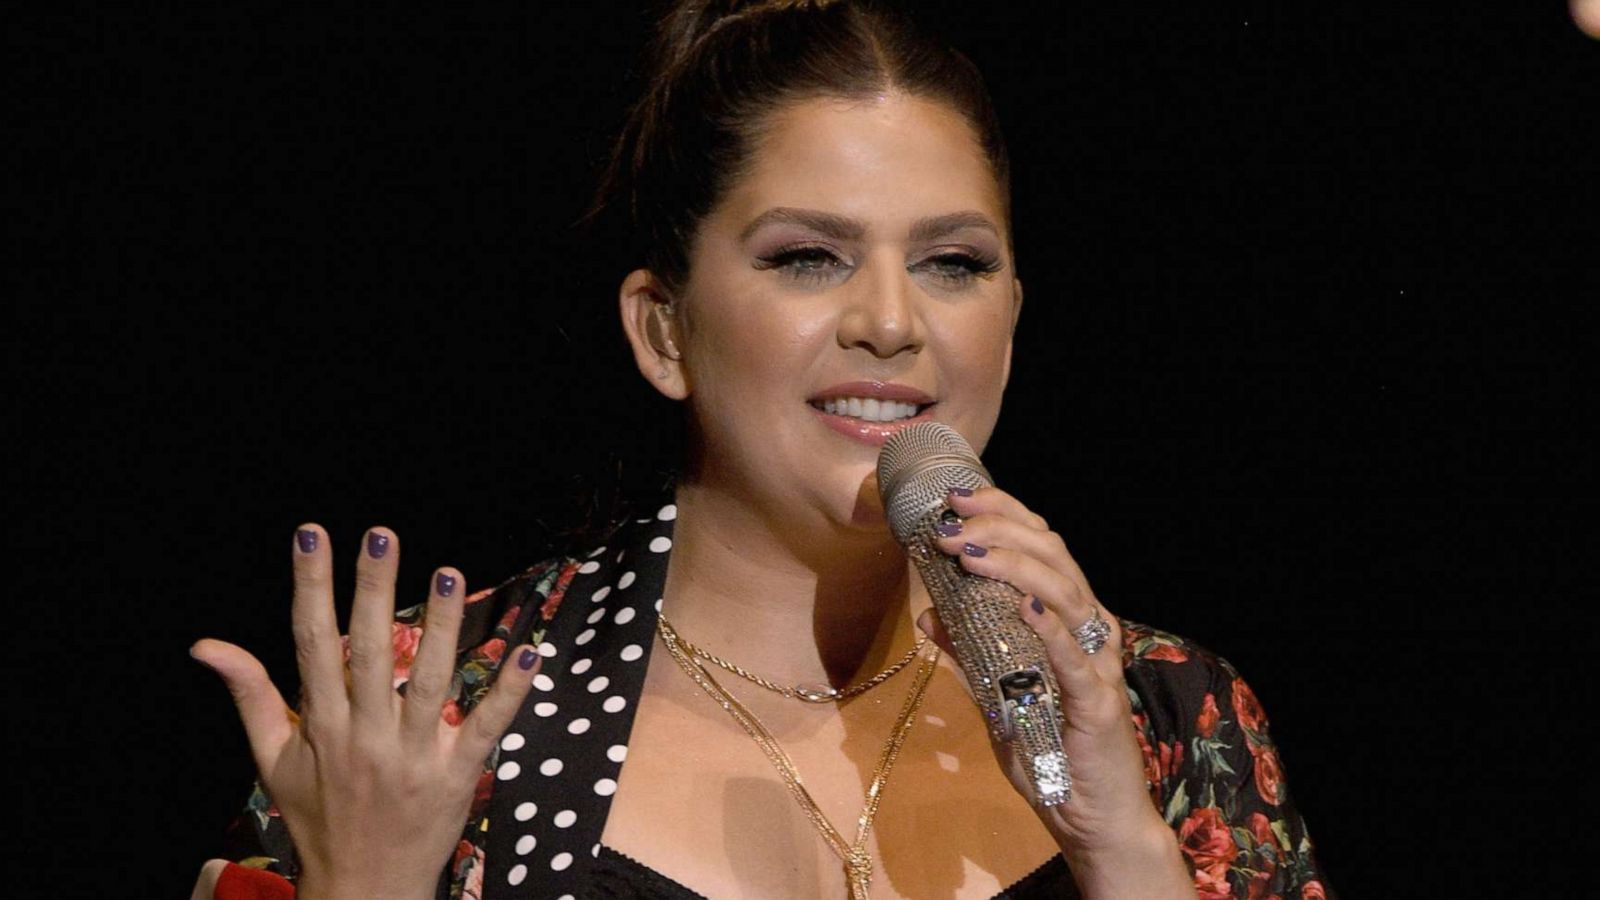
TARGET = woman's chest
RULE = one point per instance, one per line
(702, 804)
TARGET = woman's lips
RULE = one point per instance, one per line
(873, 434)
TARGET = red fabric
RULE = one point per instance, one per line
(243, 883)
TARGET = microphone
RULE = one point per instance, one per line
(1002, 658)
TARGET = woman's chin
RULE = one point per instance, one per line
(868, 511)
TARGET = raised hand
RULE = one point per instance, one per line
(374, 787)
(1110, 831)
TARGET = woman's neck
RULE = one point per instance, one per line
(814, 605)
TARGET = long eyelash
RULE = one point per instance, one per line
(974, 266)
(785, 257)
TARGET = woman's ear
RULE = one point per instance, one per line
(650, 321)
(1016, 313)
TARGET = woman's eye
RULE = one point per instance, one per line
(804, 263)
(958, 267)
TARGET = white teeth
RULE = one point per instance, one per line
(870, 409)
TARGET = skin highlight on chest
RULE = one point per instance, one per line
(699, 802)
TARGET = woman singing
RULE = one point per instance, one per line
(743, 690)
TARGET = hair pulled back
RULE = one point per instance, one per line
(720, 69)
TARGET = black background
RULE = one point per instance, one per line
(1296, 376)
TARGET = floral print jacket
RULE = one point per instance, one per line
(1215, 774)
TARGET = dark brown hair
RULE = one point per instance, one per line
(719, 69)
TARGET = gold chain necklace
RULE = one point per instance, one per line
(808, 693)
(857, 862)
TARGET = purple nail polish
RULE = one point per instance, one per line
(1037, 606)
(961, 491)
(444, 585)
(307, 539)
(527, 659)
(974, 550)
(948, 529)
(377, 544)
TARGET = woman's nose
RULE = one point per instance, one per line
(881, 314)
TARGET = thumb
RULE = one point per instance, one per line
(269, 723)
(930, 625)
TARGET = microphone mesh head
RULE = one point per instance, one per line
(916, 470)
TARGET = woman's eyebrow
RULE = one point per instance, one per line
(938, 226)
(838, 227)
(847, 229)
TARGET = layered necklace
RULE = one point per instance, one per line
(854, 855)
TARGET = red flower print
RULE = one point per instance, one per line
(1312, 890)
(1210, 715)
(451, 713)
(558, 593)
(1261, 831)
(1208, 842)
(1245, 705)
(1166, 653)
(1269, 775)
(493, 651)
(480, 795)
(1257, 889)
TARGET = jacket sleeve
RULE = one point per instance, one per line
(517, 611)
(1215, 773)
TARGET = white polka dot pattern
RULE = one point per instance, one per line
(574, 730)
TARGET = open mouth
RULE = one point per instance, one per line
(870, 409)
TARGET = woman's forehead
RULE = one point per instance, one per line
(888, 162)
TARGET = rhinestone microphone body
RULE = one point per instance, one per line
(1003, 659)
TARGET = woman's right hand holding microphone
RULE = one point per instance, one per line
(374, 787)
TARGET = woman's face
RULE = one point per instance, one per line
(863, 256)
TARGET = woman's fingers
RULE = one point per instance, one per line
(319, 652)
(434, 666)
(268, 721)
(493, 714)
(372, 696)
(997, 504)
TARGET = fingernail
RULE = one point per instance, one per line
(377, 544)
(1038, 607)
(961, 491)
(948, 529)
(527, 659)
(307, 539)
(974, 550)
(444, 584)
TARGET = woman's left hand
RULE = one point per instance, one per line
(1109, 831)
